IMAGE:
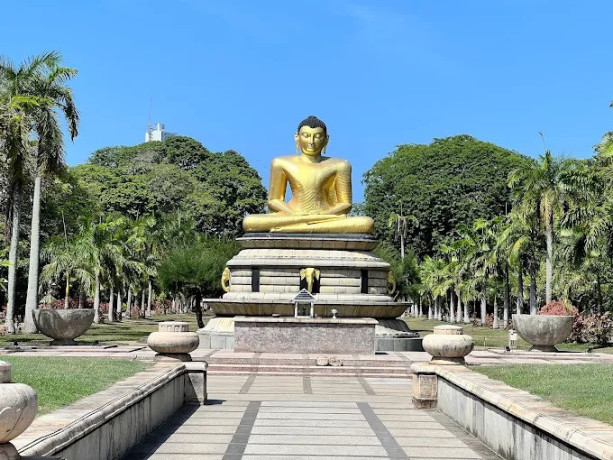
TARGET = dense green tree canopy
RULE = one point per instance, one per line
(178, 174)
(450, 182)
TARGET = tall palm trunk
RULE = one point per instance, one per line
(12, 275)
(466, 316)
(459, 314)
(452, 312)
(97, 301)
(67, 292)
(111, 304)
(142, 304)
(32, 296)
(129, 308)
(119, 305)
(520, 293)
(430, 315)
(532, 290)
(148, 314)
(483, 306)
(506, 300)
(495, 324)
(549, 261)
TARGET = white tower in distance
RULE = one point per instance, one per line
(156, 134)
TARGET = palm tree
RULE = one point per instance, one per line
(539, 190)
(402, 223)
(49, 155)
(17, 104)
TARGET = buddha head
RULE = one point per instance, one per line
(312, 136)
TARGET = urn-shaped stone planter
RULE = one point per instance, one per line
(18, 405)
(173, 340)
(448, 344)
(63, 325)
(543, 331)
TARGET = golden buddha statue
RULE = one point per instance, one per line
(320, 186)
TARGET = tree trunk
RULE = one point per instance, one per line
(459, 316)
(12, 276)
(495, 324)
(81, 296)
(452, 311)
(506, 300)
(97, 301)
(148, 314)
(111, 311)
(533, 290)
(519, 308)
(430, 315)
(142, 304)
(129, 308)
(198, 310)
(32, 297)
(174, 305)
(483, 306)
(439, 308)
(466, 316)
(549, 262)
(67, 293)
(119, 305)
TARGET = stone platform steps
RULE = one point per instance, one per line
(352, 365)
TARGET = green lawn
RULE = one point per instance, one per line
(126, 331)
(582, 388)
(60, 381)
(486, 337)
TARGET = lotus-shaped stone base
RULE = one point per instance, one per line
(64, 325)
(543, 331)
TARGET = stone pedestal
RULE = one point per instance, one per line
(305, 335)
(266, 275)
(425, 386)
(448, 345)
(18, 406)
(173, 341)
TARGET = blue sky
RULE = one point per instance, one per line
(241, 74)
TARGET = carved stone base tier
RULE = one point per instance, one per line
(269, 272)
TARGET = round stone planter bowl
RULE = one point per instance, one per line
(543, 332)
(448, 344)
(63, 326)
(173, 341)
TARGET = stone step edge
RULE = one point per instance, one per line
(315, 374)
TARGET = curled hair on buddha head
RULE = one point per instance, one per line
(313, 122)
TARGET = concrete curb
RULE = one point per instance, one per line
(99, 432)
(581, 434)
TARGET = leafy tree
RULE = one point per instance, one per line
(450, 182)
(195, 270)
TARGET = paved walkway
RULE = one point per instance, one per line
(277, 417)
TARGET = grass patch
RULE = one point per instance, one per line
(585, 389)
(129, 330)
(60, 381)
(486, 337)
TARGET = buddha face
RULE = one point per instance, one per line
(311, 140)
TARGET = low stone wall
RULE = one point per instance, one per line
(512, 422)
(109, 423)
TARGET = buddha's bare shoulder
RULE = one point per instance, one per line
(337, 162)
(284, 160)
